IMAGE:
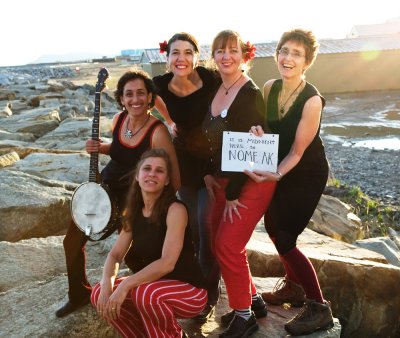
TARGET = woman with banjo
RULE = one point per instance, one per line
(135, 130)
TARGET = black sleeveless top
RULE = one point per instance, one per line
(124, 157)
(297, 194)
(147, 243)
(188, 111)
(287, 126)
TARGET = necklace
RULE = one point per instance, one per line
(227, 89)
(128, 133)
(282, 106)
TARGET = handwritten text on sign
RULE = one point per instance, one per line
(242, 151)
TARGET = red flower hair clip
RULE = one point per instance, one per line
(163, 47)
(250, 51)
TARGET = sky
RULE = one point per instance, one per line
(31, 29)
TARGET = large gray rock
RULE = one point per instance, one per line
(365, 294)
(24, 137)
(37, 121)
(73, 133)
(335, 219)
(62, 167)
(28, 311)
(30, 261)
(343, 269)
(39, 259)
(31, 206)
(18, 106)
(383, 245)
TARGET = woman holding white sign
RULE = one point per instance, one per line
(238, 202)
(294, 109)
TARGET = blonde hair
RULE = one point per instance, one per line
(225, 37)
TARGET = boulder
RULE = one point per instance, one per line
(31, 206)
(28, 311)
(18, 106)
(24, 137)
(364, 293)
(38, 259)
(384, 246)
(5, 109)
(8, 159)
(37, 121)
(335, 219)
(73, 133)
(61, 167)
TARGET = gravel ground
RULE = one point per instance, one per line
(374, 171)
(370, 116)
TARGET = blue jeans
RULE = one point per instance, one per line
(198, 203)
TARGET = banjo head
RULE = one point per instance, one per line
(91, 208)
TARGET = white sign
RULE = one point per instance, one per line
(242, 151)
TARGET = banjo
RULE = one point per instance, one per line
(92, 209)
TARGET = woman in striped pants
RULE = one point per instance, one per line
(156, 245)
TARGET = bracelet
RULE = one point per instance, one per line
(279, 174)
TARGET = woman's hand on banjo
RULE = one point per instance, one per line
(93, 146)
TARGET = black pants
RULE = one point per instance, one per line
(74, 247)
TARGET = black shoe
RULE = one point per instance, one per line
(258, 307)
(240, 327)
(68, 307)
(205, 315)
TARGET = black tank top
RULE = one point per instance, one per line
(125, 157)
(147, 245)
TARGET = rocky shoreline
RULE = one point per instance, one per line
(374, 171)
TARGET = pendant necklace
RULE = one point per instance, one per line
(128, 133)
(227, 89)
(282, 106)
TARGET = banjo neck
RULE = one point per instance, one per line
(94, 175)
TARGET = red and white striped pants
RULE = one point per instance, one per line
(151, 309)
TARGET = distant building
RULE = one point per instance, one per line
(105, 59)
(130, 52)
(132, 55)
(390, 27)
(342, 65)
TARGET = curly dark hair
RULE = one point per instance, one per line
(183, 36)
(135, 201)
(133, 74)
(304, 37)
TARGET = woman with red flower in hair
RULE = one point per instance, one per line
(238, 202)
(184, 96)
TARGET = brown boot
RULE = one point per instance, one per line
(285, 291)
(314, 316)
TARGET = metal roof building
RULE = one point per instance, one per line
(342, 65)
